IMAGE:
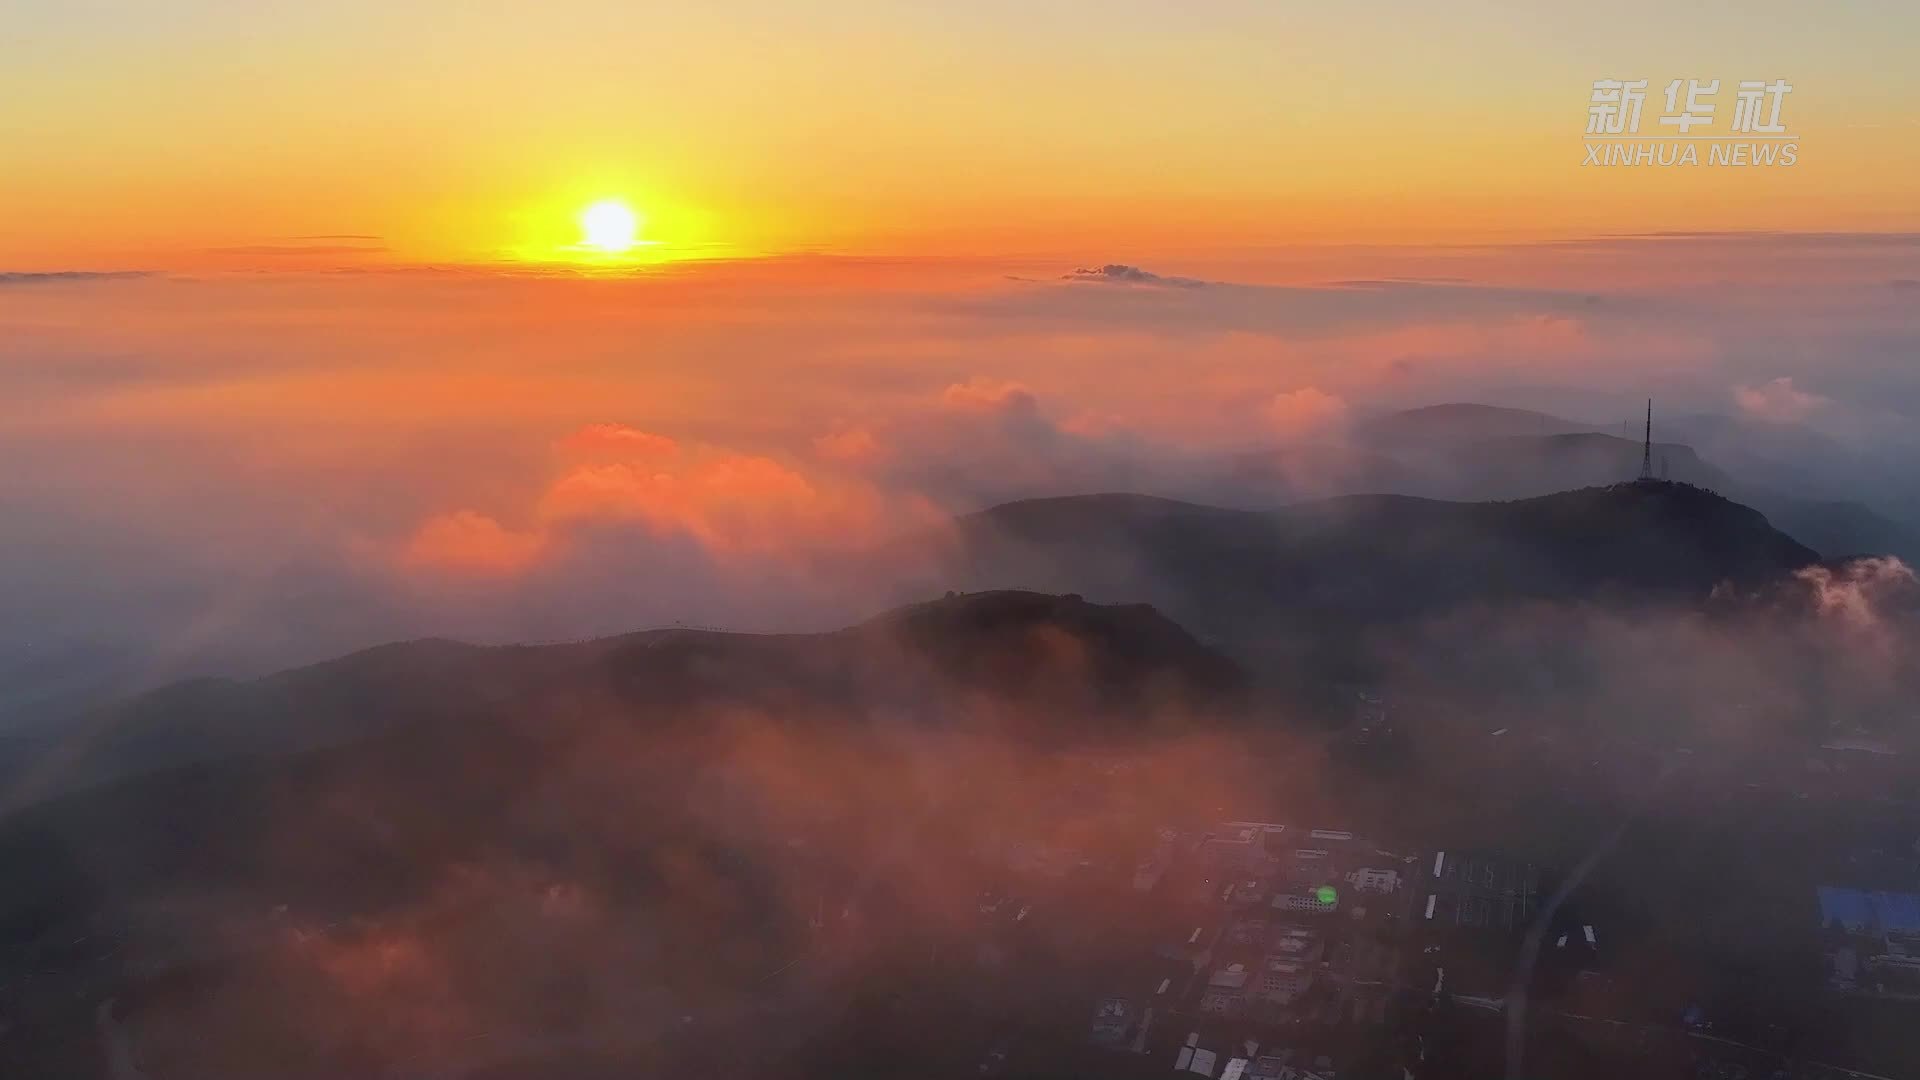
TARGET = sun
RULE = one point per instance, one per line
(610, 226)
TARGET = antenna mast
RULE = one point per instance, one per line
(1646, 448)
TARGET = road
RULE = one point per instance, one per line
(1537, 933)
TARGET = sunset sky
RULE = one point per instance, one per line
(1021, 433)
(205, 132)
(303, 344)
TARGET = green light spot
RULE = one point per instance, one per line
(1326, 895)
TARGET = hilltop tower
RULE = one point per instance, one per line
(1646, 448)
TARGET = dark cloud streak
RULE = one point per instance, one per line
(1122, 274)
(55, 277)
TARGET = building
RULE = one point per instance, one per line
(1282, 980)
(1242, 845)
(1248, 891)
(1248, 930)
(1321, 899)
(1371, 879)
(1873, 940)
(1271, 1067)
(1113, 1022)
(1226, 992)
(1223, 1002)
(1480, 892)
(1185, 1057)
(1877, 914)
(1296, 943)
(1233, 976)
(1285, 1065)
(1311, 875)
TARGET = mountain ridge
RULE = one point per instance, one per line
(1121, 660)
(1314, 583)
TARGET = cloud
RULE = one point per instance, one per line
(1122, 274)
(368, 427)
(1863, 622)
(1398, 283)
(1295, 312)
(1090, 424)
(310, 244)
(1778, 401)
(988, 440)
(471, 543)
(52, 277)
(299, 249)
(1766, 236)
(730, 503)
(850, 446)
(989, 396)
(973, 443)
(1308, 412)
(1858, 593)
(617, 440)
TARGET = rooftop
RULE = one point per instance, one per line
(1231, 977)
(1870, 912)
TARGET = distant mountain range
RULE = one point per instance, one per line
(1474, 452)
(1318, 570)
(921, 663)
(1357, 561)
(649, 764)
(1317, 574)
(1464, 452)
(1456, 423)
(457, 792)
(361, 786)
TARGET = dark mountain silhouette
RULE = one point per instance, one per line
(1838, 528)
(1522, 466)
(1771, 453)
(1344, 564)
(1366, 560)
(673, 816)
(623, 762)
(1481, 452)
(1019, 650)
(714, 789)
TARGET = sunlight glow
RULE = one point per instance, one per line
(610, 226)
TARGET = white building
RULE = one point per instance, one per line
(1368, 879)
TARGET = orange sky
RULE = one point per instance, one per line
(299, 349)
(222, 133)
